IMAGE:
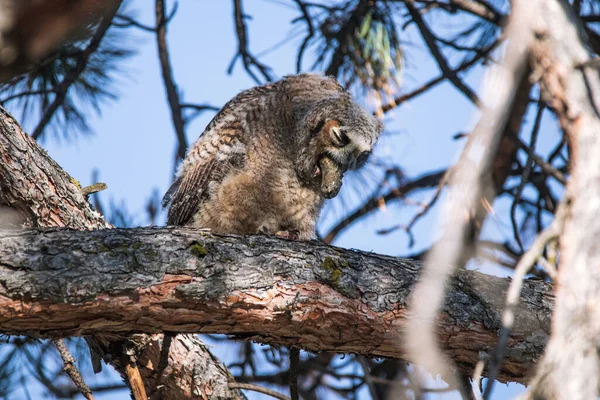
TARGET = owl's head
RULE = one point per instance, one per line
(339, 136)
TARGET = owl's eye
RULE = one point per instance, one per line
(362, 158)
(314, 131)
(339, 136)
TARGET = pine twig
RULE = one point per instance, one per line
(71, 370)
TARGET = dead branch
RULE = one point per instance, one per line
(71, 369)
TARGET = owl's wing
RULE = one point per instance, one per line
(219, 149)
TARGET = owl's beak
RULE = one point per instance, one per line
(331, 177)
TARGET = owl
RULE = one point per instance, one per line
(270, 157)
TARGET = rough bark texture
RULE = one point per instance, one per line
(36, 192)
(571, 366)
(62, 283)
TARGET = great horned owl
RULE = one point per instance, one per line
(270, 157)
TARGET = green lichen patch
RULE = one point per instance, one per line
(334, 269)
(198, 250)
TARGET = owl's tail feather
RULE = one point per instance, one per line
(166, 200)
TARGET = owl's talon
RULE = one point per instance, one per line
(290, 235)
(263, 231)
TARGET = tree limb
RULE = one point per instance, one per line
(59, 282)
(35, 191)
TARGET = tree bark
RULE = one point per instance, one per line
(61, 282)
(570, 82)
(36, 192)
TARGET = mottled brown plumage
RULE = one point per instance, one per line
(270, 157)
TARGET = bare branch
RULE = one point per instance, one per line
(71, 369)
(429, 39)
(248, 60)
(259, 389)
(170, 86)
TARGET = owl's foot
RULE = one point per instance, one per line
(290, 235)
(263, 231)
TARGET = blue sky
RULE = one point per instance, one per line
(133, 142)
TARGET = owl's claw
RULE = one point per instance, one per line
(290, 235)
(263, 231)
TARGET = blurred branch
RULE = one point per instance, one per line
(526, 263)
(170, 86)
(30, 30)
(73, 74)
(561, 57)
(248, 60)
(470, 185)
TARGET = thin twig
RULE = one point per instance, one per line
(259, 389)
(526, 172)
(436, 81)
(71, 370)
(526, 262)
(545, 166)
(429, 39)
(311, 33)
(369, 380)
(294, 364)
(375, 202)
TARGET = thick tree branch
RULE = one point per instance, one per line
(35, 191)
(61, 282)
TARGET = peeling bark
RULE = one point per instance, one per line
(120, 281)
(36, 192)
